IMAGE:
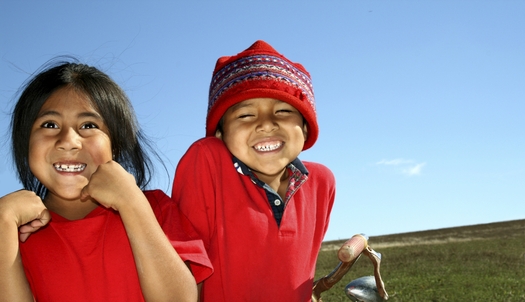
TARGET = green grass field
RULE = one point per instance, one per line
(474, 263)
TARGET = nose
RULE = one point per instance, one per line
(267, 123)
(68, 140)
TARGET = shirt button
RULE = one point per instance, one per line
(277, 202)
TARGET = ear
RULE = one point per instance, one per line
(218, 134)
(305, 131)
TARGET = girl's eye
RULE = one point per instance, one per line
(242, 116)
(49, 125)
(89, 126)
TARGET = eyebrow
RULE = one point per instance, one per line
(240, 105)
(82, 114)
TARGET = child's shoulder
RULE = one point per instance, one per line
(156, 196)
(310, 165)
(208, 142)
(205, 151)
(318, 170)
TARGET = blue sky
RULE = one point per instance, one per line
(421, 104)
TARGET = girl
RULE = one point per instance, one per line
(87, 230)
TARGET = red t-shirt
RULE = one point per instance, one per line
(91, 259)
(253, 258)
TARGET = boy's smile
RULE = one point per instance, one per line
(263, 147)
(68, 141)
(264, 133)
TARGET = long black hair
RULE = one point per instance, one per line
(128, 142)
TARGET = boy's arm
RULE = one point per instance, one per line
(17, 209)
(194, 185)
(162, 273)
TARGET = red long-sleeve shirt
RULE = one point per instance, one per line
(254, 259)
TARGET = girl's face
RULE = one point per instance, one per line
(68, 141)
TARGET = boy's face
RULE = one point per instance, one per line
(264, 133)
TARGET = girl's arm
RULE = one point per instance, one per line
(17, 209)
(162, 273)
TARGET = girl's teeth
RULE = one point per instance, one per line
(70, 168)
(267, 147)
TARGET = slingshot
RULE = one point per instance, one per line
(366, 289)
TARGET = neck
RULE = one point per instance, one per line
(278, 182)
(70, 209)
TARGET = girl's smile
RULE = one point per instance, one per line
(69, 167)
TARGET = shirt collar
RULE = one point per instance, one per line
(243, 169)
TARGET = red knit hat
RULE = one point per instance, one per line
(259, 72)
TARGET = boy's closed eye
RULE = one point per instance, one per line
(284, 111)
(243, 113)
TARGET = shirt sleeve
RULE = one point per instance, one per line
(196, 182)
(181, 234)
(325, 182)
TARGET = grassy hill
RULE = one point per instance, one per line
(483, 262)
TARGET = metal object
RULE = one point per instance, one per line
(348, 254)
(363, 290)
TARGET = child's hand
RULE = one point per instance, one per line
(26, 210)
(111, 186)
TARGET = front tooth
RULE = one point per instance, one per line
(268, 147)
(70, 168)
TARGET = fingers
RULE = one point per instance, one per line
(109, 185)
(44, 219)
(22, 207)
(29, 228)
(25, 235)
(84, 193)
(34, 225)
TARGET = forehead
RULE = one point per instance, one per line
(256, 102)
(68, 99)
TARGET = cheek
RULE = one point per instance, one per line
(229, 142)
(37, 163)
(100, 151)
(235, 143)
(36, 151)
(32, 161)
(305, 131)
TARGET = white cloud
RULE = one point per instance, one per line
(414, 170)
(408, 167)
(394, 162)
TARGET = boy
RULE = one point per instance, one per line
(261, 212)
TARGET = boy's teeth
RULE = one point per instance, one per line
(70, 168)
(270, 147)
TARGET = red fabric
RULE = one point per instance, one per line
(91, 259)
(253, 259)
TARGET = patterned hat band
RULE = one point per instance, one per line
(259, 68)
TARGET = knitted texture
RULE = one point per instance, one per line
(261, 72)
